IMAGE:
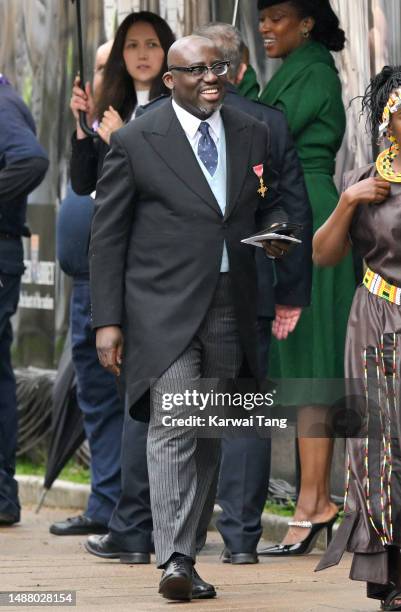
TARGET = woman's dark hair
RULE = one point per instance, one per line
(327, 26)
(117, 88)
(378, 93)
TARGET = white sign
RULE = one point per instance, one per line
(35, 300)
(38, 272)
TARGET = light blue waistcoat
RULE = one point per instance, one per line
(218, 185)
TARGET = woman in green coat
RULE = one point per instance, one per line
(307, 88)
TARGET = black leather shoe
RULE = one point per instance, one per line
(239, 558)
(104, 547)
(77, 525)
(8, 519)
(200, 588)
(176, 580)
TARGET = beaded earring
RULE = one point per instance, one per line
(394, 147)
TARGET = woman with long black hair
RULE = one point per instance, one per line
(131, 77)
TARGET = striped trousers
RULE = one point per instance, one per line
(183, 468)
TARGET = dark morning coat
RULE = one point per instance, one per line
(289, 280)
(158, 235)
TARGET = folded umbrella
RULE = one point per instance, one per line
(67, 431)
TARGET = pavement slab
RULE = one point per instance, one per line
(31, 559)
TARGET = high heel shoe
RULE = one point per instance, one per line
(392, 601)
(305, 546)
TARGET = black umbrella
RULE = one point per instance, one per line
(82, 117)
(67, 432)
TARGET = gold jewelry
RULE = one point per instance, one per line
(262, 189)
(392, 106)
(384, 164)
(306, 33)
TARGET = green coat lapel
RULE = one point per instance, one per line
(309, 53)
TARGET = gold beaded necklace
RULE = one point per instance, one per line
(384, 164)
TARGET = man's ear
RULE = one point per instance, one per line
(168, 80)
(241, 73)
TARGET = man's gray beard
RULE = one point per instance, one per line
(207, 112)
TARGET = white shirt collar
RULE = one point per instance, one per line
(190, 124)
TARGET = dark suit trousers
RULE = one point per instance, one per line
(9, 294)
(101, 406)
(183, 468)
(131, 522)
(244, 476)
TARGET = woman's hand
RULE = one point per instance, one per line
(82, 101)
(368, 191)
(331, 242)
(110, 122)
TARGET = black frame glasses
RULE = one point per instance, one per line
(218, 69)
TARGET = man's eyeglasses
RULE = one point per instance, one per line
(218, 69)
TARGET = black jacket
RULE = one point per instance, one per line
(158, 235)
(87, 157)
(23, 165)
(289, 280)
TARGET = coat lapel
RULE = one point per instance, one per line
(238, 143)
(170, 142)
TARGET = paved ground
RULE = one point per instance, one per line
(32, 559)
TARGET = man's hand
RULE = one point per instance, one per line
(276, 248)
(109, 346)
(111, 121)
(286, 320)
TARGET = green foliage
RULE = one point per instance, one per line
(72, 471)
(286, 509)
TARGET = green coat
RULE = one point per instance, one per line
(307, 88)
(249, 86)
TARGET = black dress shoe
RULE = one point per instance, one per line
(200, 588)
(239, 558)
(176, 580)
(8, 519)
(77, 525)
(104, 547)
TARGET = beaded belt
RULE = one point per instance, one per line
(378, 286)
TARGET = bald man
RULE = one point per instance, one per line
(174, 295)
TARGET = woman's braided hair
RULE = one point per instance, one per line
(377, 95)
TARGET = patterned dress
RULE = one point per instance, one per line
(372, 525)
